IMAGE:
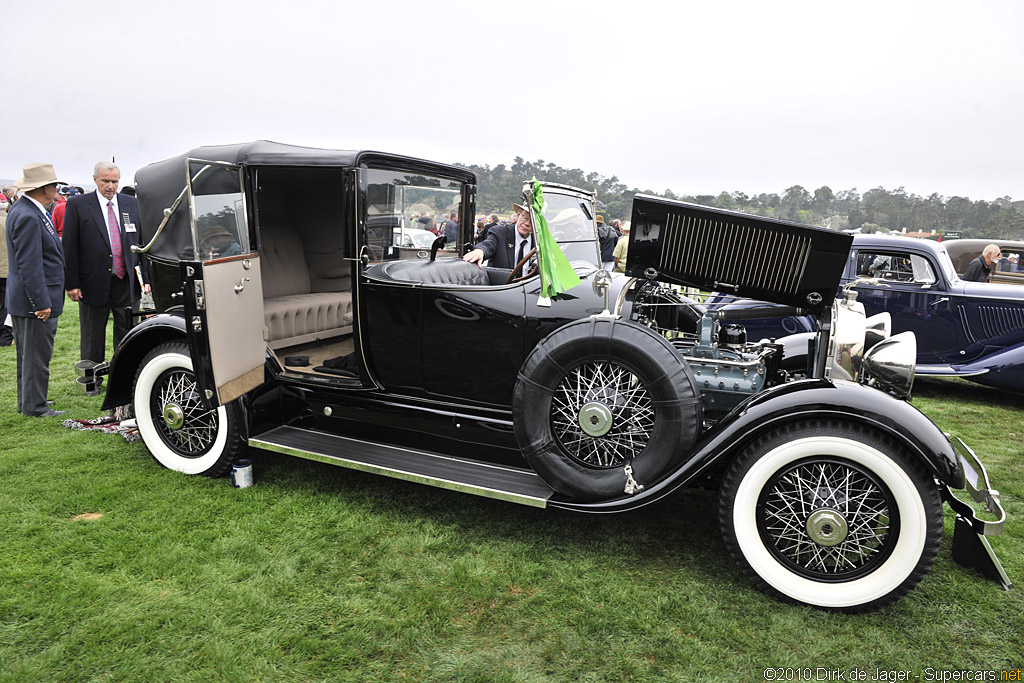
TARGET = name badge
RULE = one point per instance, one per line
(130, 227)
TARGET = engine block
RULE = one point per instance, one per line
(728, 370)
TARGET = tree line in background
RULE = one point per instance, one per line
(877, 210)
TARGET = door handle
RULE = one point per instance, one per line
(939, 301)
(241, 285)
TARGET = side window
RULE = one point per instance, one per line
(218, 210)
(403, 211)
(895, 266)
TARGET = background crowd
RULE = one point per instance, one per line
(58, 241)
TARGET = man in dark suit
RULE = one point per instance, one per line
(99, 230)
(35, 286)
(505, 245)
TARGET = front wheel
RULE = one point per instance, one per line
(179, 431)
(831, 515)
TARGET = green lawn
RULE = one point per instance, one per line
(320, 573)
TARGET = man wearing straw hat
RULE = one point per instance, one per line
(35, 286)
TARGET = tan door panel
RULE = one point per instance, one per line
(234, 321)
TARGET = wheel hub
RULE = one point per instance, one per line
(595, 419)
(827, 527)
(174, 416)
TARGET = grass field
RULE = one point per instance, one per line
(320, 573)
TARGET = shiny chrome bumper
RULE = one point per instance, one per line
(970, 547)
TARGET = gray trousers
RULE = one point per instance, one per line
(34, 341)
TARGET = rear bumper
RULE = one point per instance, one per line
(970, 545)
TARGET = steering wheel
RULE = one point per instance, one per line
(533, 271)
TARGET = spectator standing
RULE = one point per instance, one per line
(35, 286)
(99, 231)
(6, 333)
(621, 249)
(607, 238)
(450, 229)
(60, 208)
(979, 268)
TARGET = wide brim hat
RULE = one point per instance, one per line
(36, 175)
(520, 207)
(216, 231)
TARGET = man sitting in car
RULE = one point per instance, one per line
(507, 244)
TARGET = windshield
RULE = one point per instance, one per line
(568, 218)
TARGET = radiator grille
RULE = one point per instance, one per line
(734, 255)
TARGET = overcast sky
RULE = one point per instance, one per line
(696, 97)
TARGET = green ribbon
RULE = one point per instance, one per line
(556, 273)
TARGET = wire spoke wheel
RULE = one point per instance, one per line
(178, 413)
(179, 431)
(828, 519)
(832, 514)
(597, 395)
(602, 415)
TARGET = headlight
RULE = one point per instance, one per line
(889, 365)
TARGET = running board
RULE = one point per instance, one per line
(945, 371)
(501, 482)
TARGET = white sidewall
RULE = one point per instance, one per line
(884, 579)
(151, 436)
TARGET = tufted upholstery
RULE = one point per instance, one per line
(444, 272)
(298, 308)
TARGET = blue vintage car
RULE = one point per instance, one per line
(973, 330)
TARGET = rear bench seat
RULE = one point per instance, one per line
(300, 305)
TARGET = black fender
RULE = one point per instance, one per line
(793, 402)
(139, 341)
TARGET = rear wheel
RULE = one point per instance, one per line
(179, 431)
(831, 515)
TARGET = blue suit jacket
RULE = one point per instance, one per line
(35, 278)
(87, 247)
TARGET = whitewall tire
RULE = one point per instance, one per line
(180, 433)
(831, 515)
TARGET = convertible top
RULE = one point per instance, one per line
(158, 185)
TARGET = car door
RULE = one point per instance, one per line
(909, 286)
(223, 289)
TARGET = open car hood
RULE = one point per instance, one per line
(736, 253)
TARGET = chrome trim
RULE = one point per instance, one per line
(889, 365)
(980, 489)
(136, 249)
(947, 371)
(461, 487)
(621, 298)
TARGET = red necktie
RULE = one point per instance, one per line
(115, 240)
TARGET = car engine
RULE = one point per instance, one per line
(727, 367)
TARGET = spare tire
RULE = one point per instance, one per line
(597, 395)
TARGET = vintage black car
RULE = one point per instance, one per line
(289, 323)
